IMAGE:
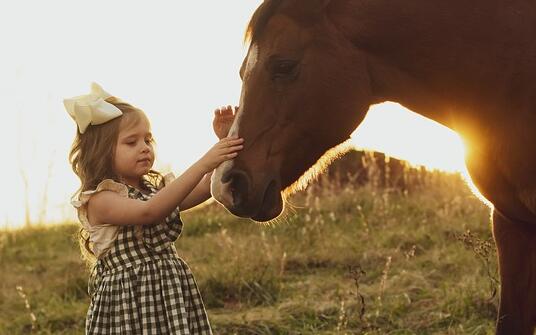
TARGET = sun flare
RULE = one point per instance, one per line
(400, 133)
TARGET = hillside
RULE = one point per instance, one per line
(352, 255)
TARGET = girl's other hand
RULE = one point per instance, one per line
(223, 119)
(226, 149)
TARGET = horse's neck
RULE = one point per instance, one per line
(451, 60)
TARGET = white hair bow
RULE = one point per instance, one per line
(91, 108)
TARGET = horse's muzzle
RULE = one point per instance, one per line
(242, 198)
(235, 183)
(272, 203)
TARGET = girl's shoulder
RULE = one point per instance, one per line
(105, 185)
(101, 237)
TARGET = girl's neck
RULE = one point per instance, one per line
(137, 184)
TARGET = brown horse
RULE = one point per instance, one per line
(315, 66)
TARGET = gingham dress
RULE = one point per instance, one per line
(141, 286)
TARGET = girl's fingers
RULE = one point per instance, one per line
(234, 144)
(232, 140)
(226, 111)
(228, 142)
(231, 155)
(228, 149)
(229, 146)
(234, 148)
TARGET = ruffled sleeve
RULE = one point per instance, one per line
(102, 236)
(168, 178)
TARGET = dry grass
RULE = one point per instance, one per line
(345, 260)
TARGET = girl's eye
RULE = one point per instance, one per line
(149, 140)
(131, 143)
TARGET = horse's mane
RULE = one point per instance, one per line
(259, 19)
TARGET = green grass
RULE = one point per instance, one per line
(404, 254)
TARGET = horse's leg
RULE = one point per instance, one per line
(516, 246)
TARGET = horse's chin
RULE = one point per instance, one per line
(267, 214)
(271, 205)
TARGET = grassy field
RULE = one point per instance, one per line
(343, 260)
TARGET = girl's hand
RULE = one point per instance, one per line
(226, 149)
(223, 119)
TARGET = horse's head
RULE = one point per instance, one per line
(305, 89)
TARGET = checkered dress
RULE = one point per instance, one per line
(141, 286)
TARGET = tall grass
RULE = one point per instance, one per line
(345, 259)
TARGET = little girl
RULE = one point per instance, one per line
(130, 217)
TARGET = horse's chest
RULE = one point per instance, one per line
(507, 179)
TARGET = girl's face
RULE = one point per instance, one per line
(134, 154)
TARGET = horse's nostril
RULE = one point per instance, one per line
(226, 177)
(238, 186)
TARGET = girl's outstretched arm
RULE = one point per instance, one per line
(223, 119)
(199, 194)
(107, 207)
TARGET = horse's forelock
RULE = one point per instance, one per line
(303, 11)
(260, 18)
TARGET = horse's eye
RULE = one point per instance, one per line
(284, 68)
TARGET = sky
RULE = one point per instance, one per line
(176, 60)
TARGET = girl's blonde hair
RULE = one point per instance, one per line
(92, 156)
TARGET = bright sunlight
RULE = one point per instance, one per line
(177, 63)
